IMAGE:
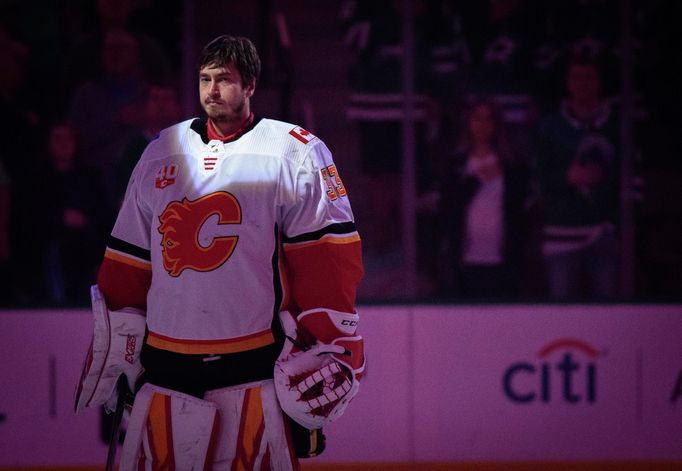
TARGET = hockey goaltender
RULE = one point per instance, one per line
(226, 296)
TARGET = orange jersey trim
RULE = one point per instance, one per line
(327, 239)
(206, 347)
(127, 259)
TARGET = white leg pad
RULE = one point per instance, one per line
(252, 434)
(169, 430)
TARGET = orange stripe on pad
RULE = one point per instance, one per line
(239, 344)
(160, 432)
(251, 430)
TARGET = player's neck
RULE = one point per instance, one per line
(227, 132)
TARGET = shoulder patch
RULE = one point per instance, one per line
(302, 135)
(165, 176)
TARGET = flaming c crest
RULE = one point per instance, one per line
(181, 222)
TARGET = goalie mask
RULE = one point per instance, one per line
(315, 386)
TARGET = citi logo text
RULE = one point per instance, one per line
(566, 371)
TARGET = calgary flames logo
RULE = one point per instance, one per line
(181, 223)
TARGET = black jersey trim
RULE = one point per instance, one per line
(276, 326)
(200, 126)
(338, 228)
(190, 374)
(128, 248)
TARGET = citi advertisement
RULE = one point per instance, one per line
(550, 383)
(538, 382)
(565, 370)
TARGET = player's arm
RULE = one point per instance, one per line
(119, 308)
(323, 274)
(323, 267)
(322, 253)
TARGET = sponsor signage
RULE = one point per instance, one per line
(565, 370)
(443, 384)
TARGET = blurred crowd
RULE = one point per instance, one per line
(83, 86)
(518, 114)
(520, 151)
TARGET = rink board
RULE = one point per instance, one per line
(445, 384)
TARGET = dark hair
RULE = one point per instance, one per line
(500, 141)
(238, 50)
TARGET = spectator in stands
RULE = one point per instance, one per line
(74, 219)
(578, 175)
(576, 28)
(115, 16)
(484, 201)
(19, 124)
(161, 109)
(106, 112)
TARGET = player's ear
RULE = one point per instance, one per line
(249, 88)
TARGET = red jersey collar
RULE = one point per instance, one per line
(212, 133)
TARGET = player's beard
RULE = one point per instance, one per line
(229, 114)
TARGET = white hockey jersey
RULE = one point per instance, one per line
(214, 238)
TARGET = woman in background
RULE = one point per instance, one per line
(483, 205)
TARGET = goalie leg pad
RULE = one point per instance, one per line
(169, 430)
(114, 350)
(252, 433)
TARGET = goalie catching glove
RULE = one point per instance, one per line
(114, 350)
(315, 384)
